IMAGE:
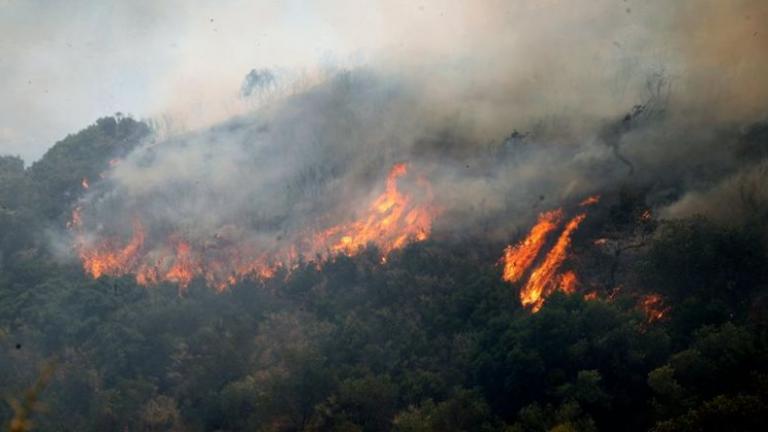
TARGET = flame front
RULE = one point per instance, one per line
(105, 258)
(519, 257)
(392, 220)
(185, 267)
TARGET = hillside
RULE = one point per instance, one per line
(665, 331)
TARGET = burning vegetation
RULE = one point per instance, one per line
(546, 277)
(329, 285)
(392, 220)
(653, 306)
(519, 257)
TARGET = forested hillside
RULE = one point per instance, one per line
(668, 331)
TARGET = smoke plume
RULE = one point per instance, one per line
(496, 111)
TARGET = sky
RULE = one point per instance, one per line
(65, 64)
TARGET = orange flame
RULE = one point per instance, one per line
(147, 275)
(393, 220)
(519, 257)
(106, 259)
(594, 199)
(544, 280)
(568, 282)
(185, 267)
(546, 277)
(654, 307)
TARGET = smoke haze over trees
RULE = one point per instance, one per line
(279, 246)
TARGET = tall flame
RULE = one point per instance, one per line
(392, 220)
(519, 257)
(544, 279)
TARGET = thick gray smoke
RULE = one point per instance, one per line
(296, 165)
(569, 112)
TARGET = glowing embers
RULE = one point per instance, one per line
(546, 278)
(653, 306)
(392, 220)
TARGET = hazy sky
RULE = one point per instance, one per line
(64, 64)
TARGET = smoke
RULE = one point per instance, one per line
(737, 199)
(504, 108)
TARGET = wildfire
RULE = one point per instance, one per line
(653, 306)
(392, 220)
(105, 258)
(546, 278)
(543, 280)
(568, 282)
(519, 257)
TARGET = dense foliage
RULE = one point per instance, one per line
(432, 340)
